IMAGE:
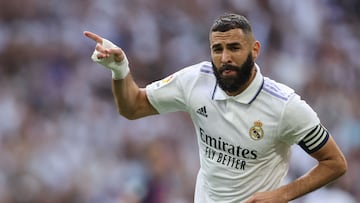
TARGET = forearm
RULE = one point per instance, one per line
(128, 96)
(325, 172)
(124, 92)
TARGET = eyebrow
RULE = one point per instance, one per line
(233, 44)
(216, 46)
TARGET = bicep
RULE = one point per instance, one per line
(329, 151)
(131, 101)
(320, 145)
(331, 163)
(144, 108)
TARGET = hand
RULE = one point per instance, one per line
(109, 55)
(105, 48)
(267, 197)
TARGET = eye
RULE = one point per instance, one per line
(217, 50)
(234, 48)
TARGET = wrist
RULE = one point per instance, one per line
(119, 70)
(284, 192)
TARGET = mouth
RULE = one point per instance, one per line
(229, 73)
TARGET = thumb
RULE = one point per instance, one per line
(114, 50)
(118, 54)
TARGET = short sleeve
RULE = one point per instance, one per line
(166, 95)
(297, 120)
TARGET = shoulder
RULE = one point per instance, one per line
(186, 75)
(194, 73)
(205, 67)
(202, 68)
(277, 90)
(296, 116)
(294, 110)
(283, 94)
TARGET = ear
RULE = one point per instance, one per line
(256, 49)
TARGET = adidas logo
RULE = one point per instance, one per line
(202, 111)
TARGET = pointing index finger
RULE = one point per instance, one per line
(93, 36)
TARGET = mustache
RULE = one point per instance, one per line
(228, 67)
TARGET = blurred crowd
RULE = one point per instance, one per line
(62, 140)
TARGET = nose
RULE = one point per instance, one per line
(226, 57)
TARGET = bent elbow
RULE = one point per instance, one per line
(132, 113)
(127, 114)
(343, 166)
(340, 167)
(131, 117)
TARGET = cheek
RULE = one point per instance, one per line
(216, 59)
(241, 58)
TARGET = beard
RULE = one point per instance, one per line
(243, 75)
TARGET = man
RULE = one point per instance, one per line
(245, 123)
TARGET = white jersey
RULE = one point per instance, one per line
(244, 140)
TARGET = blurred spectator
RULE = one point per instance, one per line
(61, 139)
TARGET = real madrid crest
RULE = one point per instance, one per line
(256, 132)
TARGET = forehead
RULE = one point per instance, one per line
(231, 36)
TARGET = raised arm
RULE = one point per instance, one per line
(131, 101)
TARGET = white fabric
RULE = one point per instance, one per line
(233, 164)
(119, 70)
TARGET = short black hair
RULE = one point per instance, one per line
(230, 21)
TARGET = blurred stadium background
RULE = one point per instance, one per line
(61, 139)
